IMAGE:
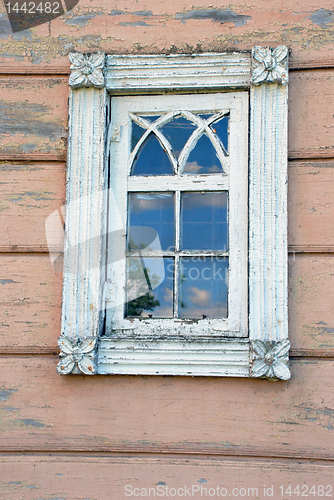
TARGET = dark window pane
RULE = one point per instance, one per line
(136, 134)
(203, 287)
(149, 287)
(203, 158)
(152, 159)
(206, 116)
(151, 210)
(178, 132)
(204, 222)
(220, 128)
(150, 118)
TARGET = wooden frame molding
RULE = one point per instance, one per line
(84, 348)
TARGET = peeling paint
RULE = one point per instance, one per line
(35, 195)
(136, 23)
(5, 394)
(4, 282)
(47, 49)
(27, 118)
(116, 12)
(29, 421)
(17, 84)
(13, 167)
(80, 21)
(322, 17)
(217, 15)
(143, 13)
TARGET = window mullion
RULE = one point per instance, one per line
(177, 250)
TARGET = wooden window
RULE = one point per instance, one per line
(182, 196)
(177, 262)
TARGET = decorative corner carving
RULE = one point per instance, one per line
(87, 70)
(77, 356)
(270, 65)
(270, 359)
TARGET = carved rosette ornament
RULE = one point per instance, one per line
(77, 356)
(270, 359)
(87, 70)
(269, 65)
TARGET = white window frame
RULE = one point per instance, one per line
(84, 348)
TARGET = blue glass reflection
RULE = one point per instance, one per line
(149, 287)
(220, 128)
(203, 287)
(204, 222)
(152, 210)
(151, 159)
(203, 158)
(178, 131)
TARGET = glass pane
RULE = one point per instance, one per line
(149, 287)
(178, 132)
(203, 158)
(204, 222)
(220, 128)
(203, 287)
(150, 118)
(205, 117)
(136, 134)
(152, 159)
(151, 210)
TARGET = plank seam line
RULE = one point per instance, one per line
(58, 71)
(294, 159)
(54, 352)
(162, 453)
(291, 251)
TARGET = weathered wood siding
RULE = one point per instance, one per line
(81, 437)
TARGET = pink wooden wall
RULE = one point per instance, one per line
(80, 437)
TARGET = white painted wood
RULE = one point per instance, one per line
(236, 182)
(268, 293)
(87, 70)
(84, 248)
(210, 182)
(268, 213)
(191, 356)
(138, 346)
(124, 74)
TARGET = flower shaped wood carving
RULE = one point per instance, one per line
(270, 359)
(87, 70)
(270, 65)
(79, 355)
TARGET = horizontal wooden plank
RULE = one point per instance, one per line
(33, 157)
(311, 119)
(144, 27)
(311, 206)
(43, 411)
(29, 193)
(34, 127)
(33, 116)
(31, 302)
(112, 477)
(311, 294)
(304, 61)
